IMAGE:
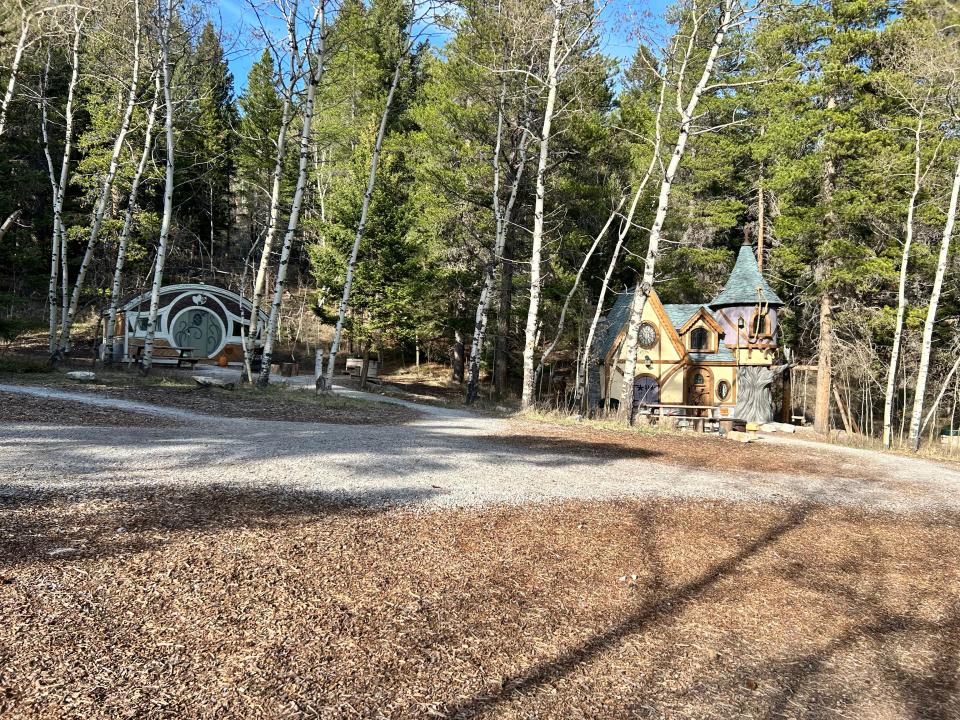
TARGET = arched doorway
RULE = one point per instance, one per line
(646, 392)
(699, 386)
(200, 329)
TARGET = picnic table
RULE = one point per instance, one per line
(699, 416)
(183, 355)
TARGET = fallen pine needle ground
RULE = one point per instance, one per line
(229, 603)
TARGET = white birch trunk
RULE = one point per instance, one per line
(533, 311)
(59, 187)
(116, 288)
(313, 80)
(260, 282)
(167, 195)
(943, 391)
(502, 217)
(928, 326)
(584, 373)
(55, 236)
(902, 294)
(576, 284)
(8, 223)
(663, 202)
(364, 210)
(107, 186)
(15, 67)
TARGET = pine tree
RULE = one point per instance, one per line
(261, 108)
(206, 149)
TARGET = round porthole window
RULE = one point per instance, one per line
(648, 336)
(199, 329)
(723, 389)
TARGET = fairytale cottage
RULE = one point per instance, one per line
(196, 323)
(720, 355)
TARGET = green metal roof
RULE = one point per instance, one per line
(746, 285)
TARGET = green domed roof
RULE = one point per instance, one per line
(746, 285)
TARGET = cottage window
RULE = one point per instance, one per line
(699, 339)
(760, 325)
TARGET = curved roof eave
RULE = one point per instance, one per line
(229, 297)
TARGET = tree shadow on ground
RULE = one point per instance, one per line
(661, 609)
(397, 451)
(925, 686)
(49, 525)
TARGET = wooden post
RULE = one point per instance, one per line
(786, 404)
(318, 370)
(366, 365)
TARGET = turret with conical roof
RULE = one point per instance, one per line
(747, 309)
(746, 285)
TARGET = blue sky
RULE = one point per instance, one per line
(238, 22)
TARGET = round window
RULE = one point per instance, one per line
(723, 389)
(199, 329)
(648, 336)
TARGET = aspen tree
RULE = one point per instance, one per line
(116, 287)
(166, 28)
(406, 49)
(503, 213)
(296, 60)
(625, 228)
(313, 58)
(923, 369)
(686, 107)
(531, 332)
(58, 255)
(107, 185)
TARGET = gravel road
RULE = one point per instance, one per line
(447, 458)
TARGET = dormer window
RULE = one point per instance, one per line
(699, 339)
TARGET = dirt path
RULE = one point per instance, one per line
(444, 458)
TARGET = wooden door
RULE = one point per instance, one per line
(699, 386)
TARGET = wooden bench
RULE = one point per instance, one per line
(184, 356)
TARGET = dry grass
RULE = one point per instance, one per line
(230, 603)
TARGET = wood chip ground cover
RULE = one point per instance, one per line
(231, 603)
(695, 450)
(273, 404)
(16, 408)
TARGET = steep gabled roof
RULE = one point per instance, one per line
(746, 285)
(619, 316)
(616, 319)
